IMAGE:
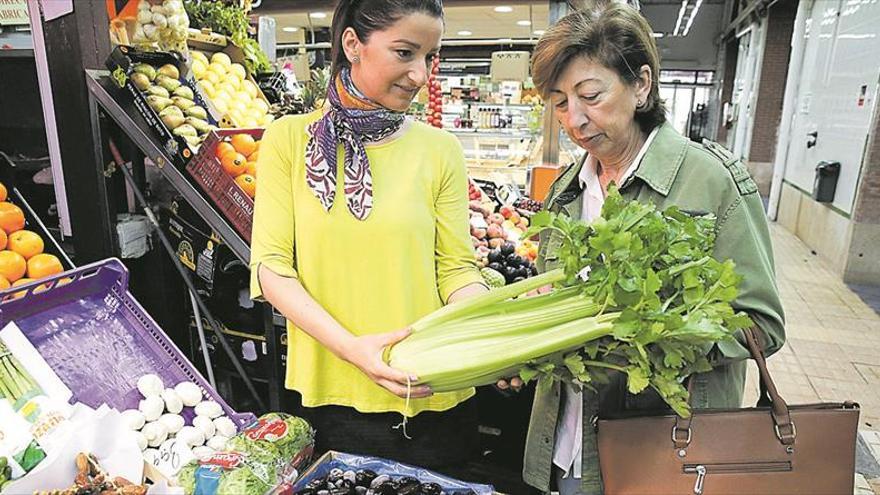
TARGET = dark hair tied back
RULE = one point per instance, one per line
(367, 16)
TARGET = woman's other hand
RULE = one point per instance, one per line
(514, 384)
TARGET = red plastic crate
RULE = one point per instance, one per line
(230, 199)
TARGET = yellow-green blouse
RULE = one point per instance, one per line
(376, 275)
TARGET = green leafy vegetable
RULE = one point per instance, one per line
(229, 20)
(637, 292)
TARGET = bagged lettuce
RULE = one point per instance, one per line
(262, 456)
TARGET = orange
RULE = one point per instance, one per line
(3, 192)
(234, 164)
(4, 284)
(3, 239)
(12, 265)
(11, 217)
(222, 149)
(248, 184)
(243, 143)
(26, 243)
(22, 281)
(252, 169)
(253, 156)
(43, 265)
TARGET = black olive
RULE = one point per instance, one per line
(408, 486)
(360, 490)
(386, 488)
(497, 266)
(522, 272)
(323, 492)
(507, 248)
(334, 475)
(430, 489)
(378, 480)
(364, 477)
(509, 273)
(512, 259)
(518, 279)
(495, 256)
(339, 491)
(305, 491)
(534, 269)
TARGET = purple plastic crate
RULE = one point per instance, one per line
(99, 340)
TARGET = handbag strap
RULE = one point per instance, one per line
(783, 425)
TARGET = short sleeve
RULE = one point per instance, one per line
(454, 254)
(272, 236)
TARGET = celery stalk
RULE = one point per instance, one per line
(473, 305)
(475, 362)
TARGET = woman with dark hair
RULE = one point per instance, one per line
(598, 70)
(360, 228)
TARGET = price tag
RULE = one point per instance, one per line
(171, 456)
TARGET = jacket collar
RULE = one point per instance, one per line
(658, 169)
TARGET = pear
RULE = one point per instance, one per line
(158, 91)
(199, 124)
(158, 103)
(184, 92)
(167, 82)
(140, 81)
(172, 121)
(182, 102)
(169, 70)
(185, 130)
(196, 111)
(193, 141)
(171, 110)
(146, 69)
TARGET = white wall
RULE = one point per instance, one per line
(842, 54)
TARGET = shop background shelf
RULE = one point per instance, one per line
(104, 94)
(99, 340)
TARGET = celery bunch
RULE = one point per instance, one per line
(637, 292)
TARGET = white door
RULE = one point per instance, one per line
(836, 94)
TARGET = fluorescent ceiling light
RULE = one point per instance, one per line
(693, 16)
(465, 33)
(290, 29)
(503, 9)
(318, 15)
(538, 32)
(684, 4)
(524, 23)
(658, 35)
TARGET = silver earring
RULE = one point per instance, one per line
(356, 59)
(640, 104)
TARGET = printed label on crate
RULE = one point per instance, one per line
(271, 430)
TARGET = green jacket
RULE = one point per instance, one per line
(699, 178)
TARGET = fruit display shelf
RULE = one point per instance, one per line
(101, 90)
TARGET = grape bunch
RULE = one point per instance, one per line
(529, 204)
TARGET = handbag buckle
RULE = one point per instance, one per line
(675, 439)
(789, 438)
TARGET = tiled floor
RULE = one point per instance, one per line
(833, 342)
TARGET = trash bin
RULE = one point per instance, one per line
(825, 183)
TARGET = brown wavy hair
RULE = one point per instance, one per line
(612, 34)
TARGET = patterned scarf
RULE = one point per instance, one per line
(352, 120)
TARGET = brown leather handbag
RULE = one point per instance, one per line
(772, 449)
